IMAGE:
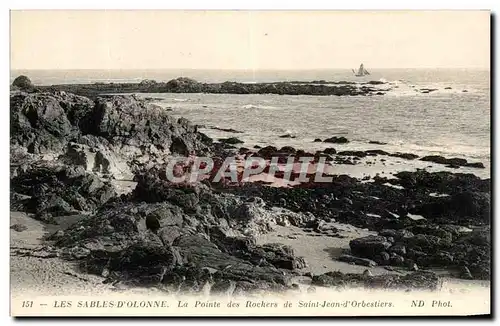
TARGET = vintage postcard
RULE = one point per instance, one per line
(250, 163)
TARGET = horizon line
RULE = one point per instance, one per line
(244, 69)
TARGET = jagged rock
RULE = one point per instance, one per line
(330, 150)
(125, 120)
(388, 233)
(282, 256)
(201, 252)
(451, 162)
(397, 260)
(271, 254)
(169, 234)
(435, 230)
(398, 249)
(98, 159)
(288, 150)
(79, 252)
(382, 258)
(60, 190)
(357, 260)
(111, 135)
(231, 141)
(462, 207)
(144, 262)
(369, 246)
(336, 140)
(426, 242)
(474, 250)
(415, 280)
(267, 152)
(23, 82)
(45, 122)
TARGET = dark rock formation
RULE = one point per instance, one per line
(451, 162)
(23, 83)
(406, 156)
(54, 190)
(336, 140)
(369, 246)
(43, 122)
(330, 150)
(121, 242)
(231, 141)
(227, 130)
(125, 120)
(111, 135)
(357, 260)
(190, 237)
(352, 153)
(415, 280)
(403, 241)
(188, 85)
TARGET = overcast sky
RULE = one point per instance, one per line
(248, 40)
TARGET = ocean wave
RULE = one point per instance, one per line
(253, 106)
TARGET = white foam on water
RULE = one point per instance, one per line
(256, 106)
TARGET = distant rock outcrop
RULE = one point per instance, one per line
(23, 82)
(188, 85)
(336, 140)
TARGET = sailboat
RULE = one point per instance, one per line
(361, 72)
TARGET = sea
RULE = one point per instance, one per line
(452, 121)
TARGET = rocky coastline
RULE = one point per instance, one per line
(188, 85)
(71, 147)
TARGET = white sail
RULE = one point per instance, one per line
(361, 71)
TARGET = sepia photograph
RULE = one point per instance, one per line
(250, 163)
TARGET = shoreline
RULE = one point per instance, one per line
(221, 234)
(51, 276)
